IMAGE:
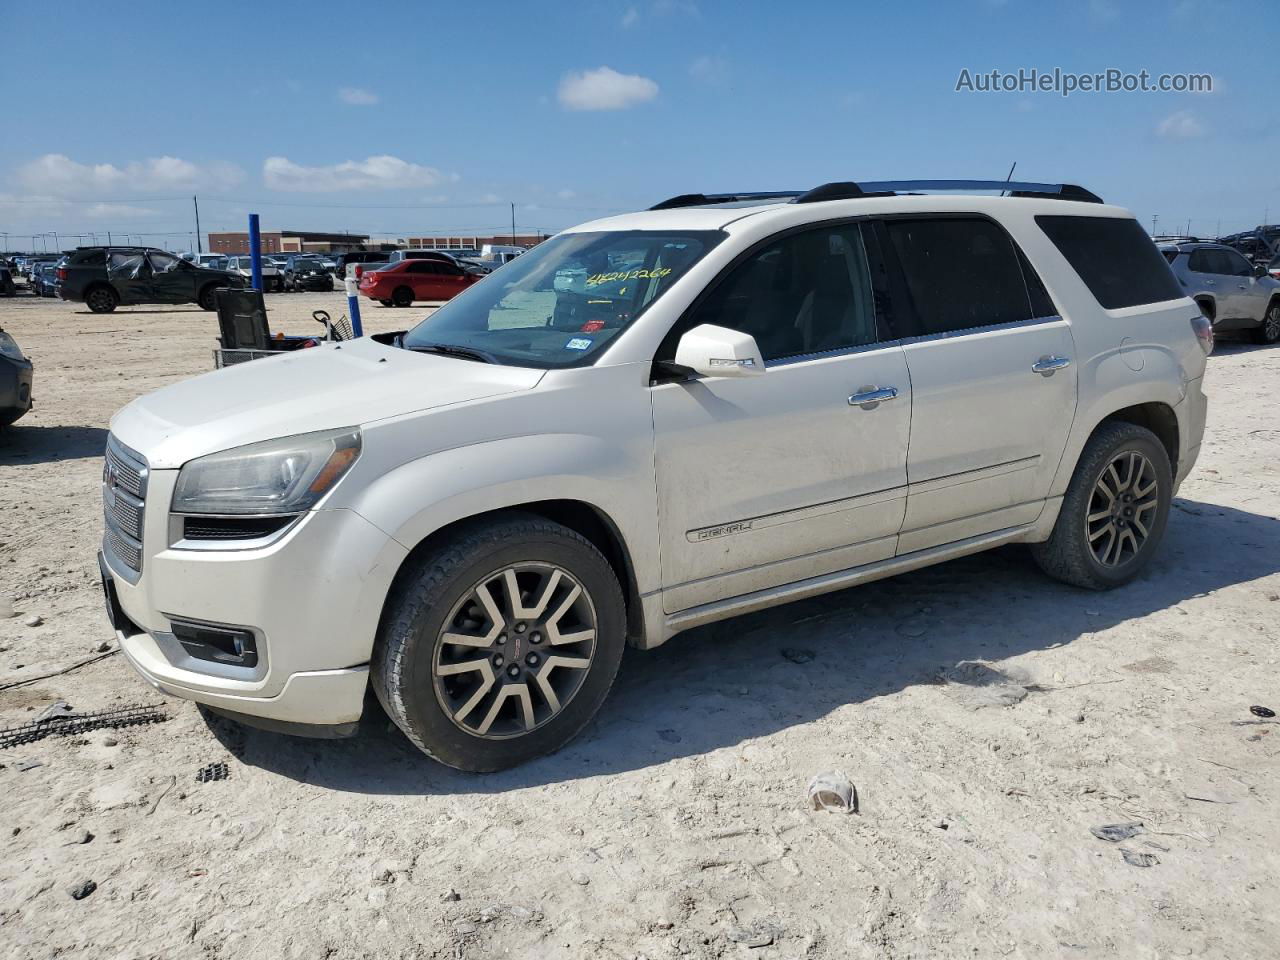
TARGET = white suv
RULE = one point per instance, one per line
(647, 423)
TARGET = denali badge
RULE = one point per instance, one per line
(724, 530)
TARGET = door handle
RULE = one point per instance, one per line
(1046, 366)
(868, 398)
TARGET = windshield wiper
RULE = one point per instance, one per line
(450, 350)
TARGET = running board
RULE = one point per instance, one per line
(814, 586)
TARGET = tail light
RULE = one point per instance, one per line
(62, 273)
(359, 271)
(1203, 330)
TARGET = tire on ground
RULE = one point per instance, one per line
(425, 593)
(1067, 555)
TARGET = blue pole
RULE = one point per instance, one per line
(255, 252)
(353, 305)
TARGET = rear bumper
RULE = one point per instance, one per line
(1191, 413)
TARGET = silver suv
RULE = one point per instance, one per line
(1231, 292)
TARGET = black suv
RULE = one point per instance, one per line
(306, 271)
(105, 277)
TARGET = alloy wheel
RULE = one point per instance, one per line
(1122, 509)
(1271, 325)
(515, 650)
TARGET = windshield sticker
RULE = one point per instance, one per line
(578, 343)
(601, 278)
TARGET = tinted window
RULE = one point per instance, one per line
(91, 257)
(803, 294)
(1204, 261)
(1171, 255)
(1115, 258)
(1236, 265)
(163, 263)
(960, 273)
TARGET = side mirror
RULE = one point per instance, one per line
(1260, 271)
(719, 352)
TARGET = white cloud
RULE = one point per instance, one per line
(106, 211)
(565, 194)
(630, 17)
(372, 173)
(1181, 125)
(58, 174)
(604, 89)
(712, 70)
(357, 97)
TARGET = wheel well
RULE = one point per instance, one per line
(1208, 306)
(1160, 419)
(582, 518)
(99, 285)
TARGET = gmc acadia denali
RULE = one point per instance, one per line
(647, 423)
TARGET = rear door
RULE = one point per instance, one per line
(130, 274)
(1211, 273)
(775, 478)
(992, 379)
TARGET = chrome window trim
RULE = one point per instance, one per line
(829, 354)
(986, 328)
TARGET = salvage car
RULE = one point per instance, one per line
(439, 277)
(1235, 295)
(15, 381)
(305, 272)
(106, 277)
(749, 399)
(272, 276)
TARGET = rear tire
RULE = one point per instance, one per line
(1101, 539)
(101, 299)
(519, 685)
(1269, 331)
(385, 303)
(402, 297)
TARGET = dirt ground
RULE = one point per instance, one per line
(677, 824)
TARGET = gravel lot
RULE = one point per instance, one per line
(677, 825)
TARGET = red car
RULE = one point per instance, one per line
(409, 280)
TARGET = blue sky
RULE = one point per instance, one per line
(418, 118)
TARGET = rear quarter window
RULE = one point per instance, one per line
(1115, 258)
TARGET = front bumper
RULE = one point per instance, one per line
(16, 377)
(311, 598)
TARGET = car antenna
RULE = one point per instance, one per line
(1005, 193)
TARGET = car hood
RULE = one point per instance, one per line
(321, 388)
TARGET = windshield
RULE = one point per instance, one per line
(559, 304)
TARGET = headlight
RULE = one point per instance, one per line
(278, 476)
(9, 347)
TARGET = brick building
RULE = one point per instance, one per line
(289, 241)
(475, 243)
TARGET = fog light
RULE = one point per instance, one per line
(206, 641)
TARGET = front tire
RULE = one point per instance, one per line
(1115, 510)
(499, 645)
(101, 300)
(208, 298)
(1269, 331)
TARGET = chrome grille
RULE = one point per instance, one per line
(124, 492)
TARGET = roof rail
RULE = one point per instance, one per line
(1016, 188)
(848, 190)
(705, 199)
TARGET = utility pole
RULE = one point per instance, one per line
(108, 238)
(196, 203)
(513, 224)
(1155, 218)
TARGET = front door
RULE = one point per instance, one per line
(775, 478)
(993, 380)
(173, 279)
